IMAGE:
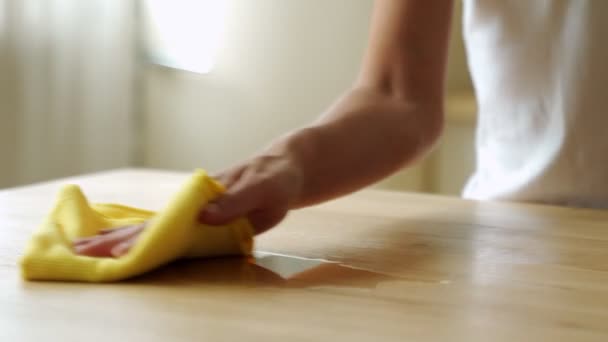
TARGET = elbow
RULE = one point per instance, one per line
(430, 124)
(433, 128)
(423, 128)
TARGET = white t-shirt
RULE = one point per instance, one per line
(540, 70)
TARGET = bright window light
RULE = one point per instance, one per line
(184, 34)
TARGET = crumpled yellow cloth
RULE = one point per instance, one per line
(170, 234)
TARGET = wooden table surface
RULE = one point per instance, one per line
(400, 267)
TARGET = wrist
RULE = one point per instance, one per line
(297, 150)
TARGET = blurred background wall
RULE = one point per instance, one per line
(66, 94)
(278, 65)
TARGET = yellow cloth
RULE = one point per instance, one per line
(170, 234)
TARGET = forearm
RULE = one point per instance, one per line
(365, 137)
(393, 115)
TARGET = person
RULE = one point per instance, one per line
(539, 75)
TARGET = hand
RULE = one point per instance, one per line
(262, 189)
(109, 242)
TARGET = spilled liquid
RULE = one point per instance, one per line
(285, 265)
(305, 272)
(263, 269)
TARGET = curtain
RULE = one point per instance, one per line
(67, 88)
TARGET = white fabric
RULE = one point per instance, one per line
(540, 70)
(67, 89)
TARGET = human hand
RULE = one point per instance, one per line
(109, 242)
(261, 189)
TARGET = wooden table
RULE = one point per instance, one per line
(401, 267)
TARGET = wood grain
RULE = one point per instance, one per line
(399, 267)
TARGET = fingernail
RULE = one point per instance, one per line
(78, 249)
(120, 249)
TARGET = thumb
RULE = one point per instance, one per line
(231, 205)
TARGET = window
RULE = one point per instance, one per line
(184, 34)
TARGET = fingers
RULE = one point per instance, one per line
(246, 200)
(110, 230)
(260, 189)
(85, 240)
(123, 247)
(229, 177)
(103, 245)
(233, 204)
(263, 220)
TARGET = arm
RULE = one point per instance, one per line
(391, 116)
